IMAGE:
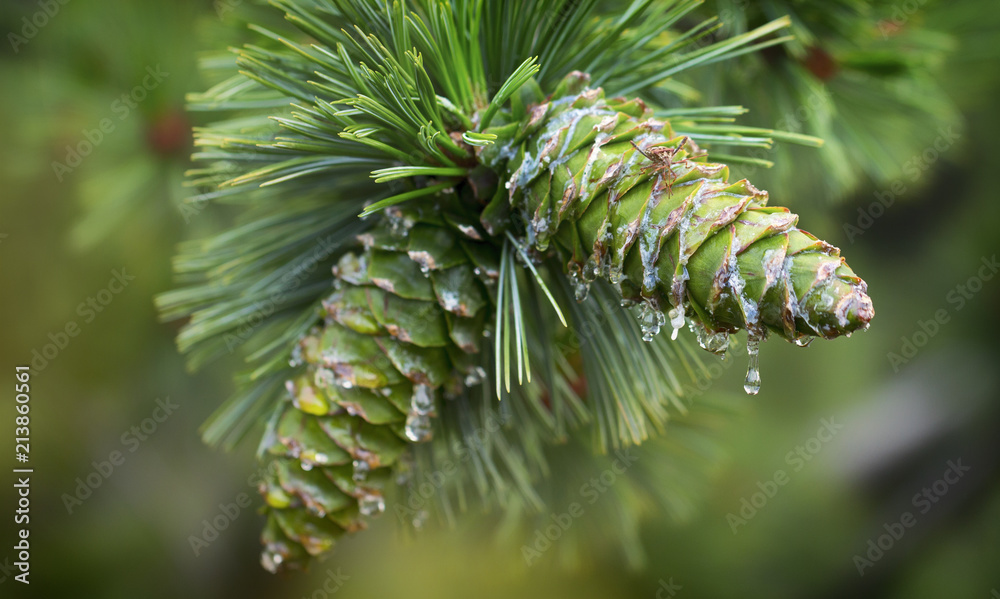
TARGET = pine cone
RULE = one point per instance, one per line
(400, 330)
(625, 199)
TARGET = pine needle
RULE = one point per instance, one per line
(403, 197)
(538, 279)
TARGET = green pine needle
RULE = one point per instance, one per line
(524, 72)
(402, 172)
(404, 197)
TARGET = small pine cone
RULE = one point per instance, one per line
(399, 333)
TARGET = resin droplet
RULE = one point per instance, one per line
(418, 419)
(418, 427)
(752, 384)
(399, 225)
(296, 359)
(592, 268)
(361, 469)
(324, 378)
(422, 400)
(615, 274)
(676, 321)
(475, 376)
(805, 340)
(717, 343)
(581, 288)
(404, 469)
(542, 243)
(650, 321)
(371, 504)
(271, 560)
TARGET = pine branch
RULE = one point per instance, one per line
(375, 343)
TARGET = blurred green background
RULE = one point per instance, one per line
(65, 232)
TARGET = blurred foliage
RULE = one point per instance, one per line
(130, 538)
(859, 74)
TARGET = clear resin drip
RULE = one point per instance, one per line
(676, 321)
(752, 384)
(271, 560)
(650, 321)
(418, 419)
(717, 343)
(371, 503)
(361, 469)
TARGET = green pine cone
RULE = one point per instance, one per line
(400, 331)
(624, 199)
